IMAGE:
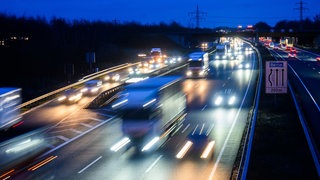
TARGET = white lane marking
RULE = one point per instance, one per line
(66, 124)
(75, 138)
(107, 115)
(86, 125)
(95, 119)
(185, 128)
(76, 131)
(89, 165)
(153, 164)
(204, 107)
(62, 138)
(202, 128)
(195, 129)
(209, 130)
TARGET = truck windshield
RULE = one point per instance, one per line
(91, 85)
(136, 114)
(155, 53)
(195, 64)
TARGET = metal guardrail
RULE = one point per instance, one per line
(310, 140)
(39, 100)
(104, 96)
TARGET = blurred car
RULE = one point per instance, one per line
(92, 87)
(283, 46)
(277, 46)
(266, 44)
(293, 50)
(198, 145)
(70, 96)
(226, 97)
(271, 45)
(112, 77)
(244, 65)
(292, 55)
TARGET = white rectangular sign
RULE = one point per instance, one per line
(276, 77)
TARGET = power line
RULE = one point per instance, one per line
(301, 9)
(197, 16)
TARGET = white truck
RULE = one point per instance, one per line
(10, 99)
(156, 53)
(151, 109)
(221, 52)
(198, 65)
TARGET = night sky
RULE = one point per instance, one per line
(215, 13)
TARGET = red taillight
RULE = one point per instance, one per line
(18, 124)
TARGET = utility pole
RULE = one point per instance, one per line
(197, 16)
(301, 9)
(116, 22)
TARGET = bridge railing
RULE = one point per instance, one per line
(51, 95)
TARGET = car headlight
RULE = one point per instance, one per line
(84, 90)
(232, 100)
(107, 78)
(94, 90)
(218, 101)
(75, 97)
(189, 73)
(62, 98)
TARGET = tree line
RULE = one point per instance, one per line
(43, 53)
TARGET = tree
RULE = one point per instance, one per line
(262, 27)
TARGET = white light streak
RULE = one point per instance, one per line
(184, 150)
(120, 144)
(207, 150)
(150, 144)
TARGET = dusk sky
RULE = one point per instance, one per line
(218, 13)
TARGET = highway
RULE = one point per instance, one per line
(304, 73)
(79, 139)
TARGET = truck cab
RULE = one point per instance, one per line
(150, 108)
(10, 99)
(198, 65)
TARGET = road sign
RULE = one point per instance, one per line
(276, 77)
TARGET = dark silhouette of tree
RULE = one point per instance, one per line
(37, 50)
(262, 27)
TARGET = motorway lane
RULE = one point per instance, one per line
(49, 114)
(308, 70)
(89, 156)
(53, 123)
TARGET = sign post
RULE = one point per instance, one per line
(276, 77)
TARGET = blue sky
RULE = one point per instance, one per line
(218, 13)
